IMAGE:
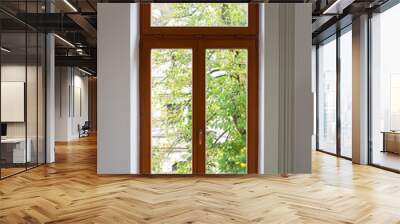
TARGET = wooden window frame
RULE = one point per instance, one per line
(198, 39)
(147, 29)
(252, 97)
(145, 98)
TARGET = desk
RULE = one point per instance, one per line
(13, 150)
(391, 141)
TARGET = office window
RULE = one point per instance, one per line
(385, 89)
(327, 96)
(199, 14)
(346, 73)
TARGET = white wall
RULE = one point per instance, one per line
(118, 88)
(303, 98)
(18, 73)
(79, 115)
(68, 81)
(62, 125)
(12, 73)
(287, 126)
(33, 126)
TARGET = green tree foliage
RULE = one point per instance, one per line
(171, 107)
(226, 95)
(199, 14)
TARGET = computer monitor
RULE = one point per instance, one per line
(3, 130)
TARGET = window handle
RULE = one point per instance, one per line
(201, 137)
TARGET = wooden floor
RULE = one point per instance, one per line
(69, 191)
(5, 172)
(387, 159)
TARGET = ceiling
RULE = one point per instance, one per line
(76, 22)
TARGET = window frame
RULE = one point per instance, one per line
(334, 37)
(145, 99)
(252, 98)
(371, 14)
(147, 29)
(198, 39)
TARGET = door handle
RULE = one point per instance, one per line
(201, 137)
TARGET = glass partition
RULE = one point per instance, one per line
(22, 77)
(13, 90)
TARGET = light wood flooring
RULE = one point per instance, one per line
(5, 172)
(69, 191)
(387, 159)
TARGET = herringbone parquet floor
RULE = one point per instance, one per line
(69, 191)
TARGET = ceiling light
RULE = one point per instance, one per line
(70, 5)
(79, 51)
(65, 41)
(5, 50)
(84, 71)
(328, 10)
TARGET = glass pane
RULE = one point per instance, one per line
(346, 93)
(14, 153)
(199, 14)
(385, 93)
(171, 111)
(226, 111)
(327, 97)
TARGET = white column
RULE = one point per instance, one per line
(50, 99)
(360, 90)
(314, 91)
(261, 89)
(287, 100)
(270, 98)
(303, 96)
(118, 88)
(63, 104)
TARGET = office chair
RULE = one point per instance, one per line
(84, 130)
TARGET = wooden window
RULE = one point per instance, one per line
(182, 27)
(199, 98)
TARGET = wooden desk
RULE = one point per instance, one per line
(391, 141)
